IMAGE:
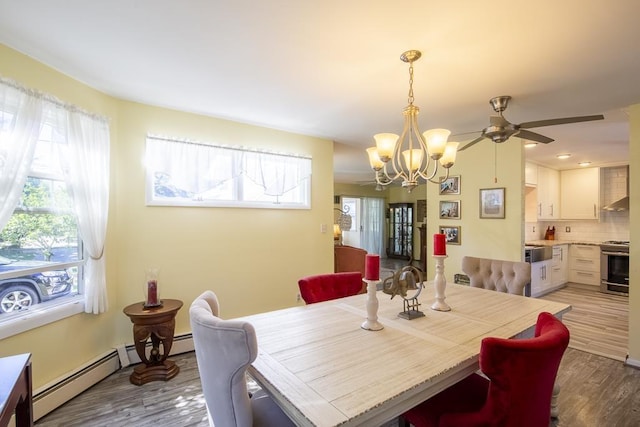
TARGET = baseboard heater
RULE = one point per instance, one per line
(65, 388)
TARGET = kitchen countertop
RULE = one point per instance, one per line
(559, 242)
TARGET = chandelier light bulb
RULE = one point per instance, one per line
(386, 143)
(412, 159)
(374, 159)
(449, 156)
(436, 140)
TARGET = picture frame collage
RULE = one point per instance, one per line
(450, 209)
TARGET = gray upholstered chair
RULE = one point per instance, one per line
(224, 350)
(502, 276)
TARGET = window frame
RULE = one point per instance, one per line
(304, 187)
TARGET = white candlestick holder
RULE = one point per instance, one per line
(440, 284)
(372, 324)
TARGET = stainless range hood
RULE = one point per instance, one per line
(622, 204)
(619, 205)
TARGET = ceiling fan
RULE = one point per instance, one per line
(500, 129)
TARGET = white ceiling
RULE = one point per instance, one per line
(331, 68)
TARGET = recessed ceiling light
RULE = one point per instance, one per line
(563, 156)
(583, 164)
(530, 144)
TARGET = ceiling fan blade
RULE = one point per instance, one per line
(562, 121)
(498, 121)
(475, 141)
(532, 136)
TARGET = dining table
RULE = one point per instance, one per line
(323, 369)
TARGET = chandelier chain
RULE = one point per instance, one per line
(410, 97)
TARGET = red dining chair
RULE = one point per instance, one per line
(518, 392)
(324, 287)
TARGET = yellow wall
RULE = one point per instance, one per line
(634, 225)
(251, 257)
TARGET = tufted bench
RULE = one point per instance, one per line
(502, 276)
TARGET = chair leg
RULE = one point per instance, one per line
(554, 400)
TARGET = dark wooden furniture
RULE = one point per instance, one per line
(15, 390)
(158, 324)
(400, 231)
(423, 248)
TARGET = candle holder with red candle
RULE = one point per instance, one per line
(439, 244)
(372, 277)
(151, 289)
(440, 284)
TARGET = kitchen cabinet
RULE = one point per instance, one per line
(560, 266)
(584, 263)
(540, 277)
(548, 193)
(530, 174)
(580, 193)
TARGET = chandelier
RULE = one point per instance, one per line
(409, 156)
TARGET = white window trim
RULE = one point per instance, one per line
(40, 316)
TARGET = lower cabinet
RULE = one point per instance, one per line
(584, 261)
(540, 277)
(560, 266)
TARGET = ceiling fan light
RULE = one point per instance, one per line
(436, 140)
(386, 143)
(374, 159)
(413, 159)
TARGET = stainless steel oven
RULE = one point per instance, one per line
(614, 267)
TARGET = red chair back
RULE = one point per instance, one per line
(522, 374)
(324, 287)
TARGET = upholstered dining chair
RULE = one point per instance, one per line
(521, 374)
(324, 287)
(224, 350)
(502, 276)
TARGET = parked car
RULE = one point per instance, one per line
(20, 293)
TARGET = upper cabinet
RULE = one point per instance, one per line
(530, 174)
(548, 193)
(580, 193)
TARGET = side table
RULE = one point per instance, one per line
(15, 390)
(157, 323)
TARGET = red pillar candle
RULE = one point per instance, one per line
(152, 292)
(439, 244)
(372, 267)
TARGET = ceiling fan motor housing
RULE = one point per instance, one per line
(500, 133)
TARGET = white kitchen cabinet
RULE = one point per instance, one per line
(584, 264)
(560, 266)
(540, 277)
(580, 193)
(530, 174)
(548, 191)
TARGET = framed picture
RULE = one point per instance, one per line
(450, 185)
(452, 234)
(492, 203)
(449, 209)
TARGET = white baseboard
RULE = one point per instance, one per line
(632, 362)
(61, 390)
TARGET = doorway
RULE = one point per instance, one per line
(367, 225)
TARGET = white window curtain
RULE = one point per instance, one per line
(275, 173)
(20, 124)
(373, 225)
(85, 165)
(85, 144)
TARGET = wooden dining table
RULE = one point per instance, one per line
(323, 369)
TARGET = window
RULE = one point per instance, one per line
(54, 171)
(40, 250)
(184, 173)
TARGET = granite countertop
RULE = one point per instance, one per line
(559, 242)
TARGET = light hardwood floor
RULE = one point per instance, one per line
(596, 390)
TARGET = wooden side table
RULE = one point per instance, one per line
(157, 323)
(15, 390)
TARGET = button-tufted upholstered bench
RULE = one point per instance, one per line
(502, 276)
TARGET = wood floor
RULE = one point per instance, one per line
(596, 390)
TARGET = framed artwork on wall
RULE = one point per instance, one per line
(452, 234)
(449, 209)
(450, 185)
(492, 203)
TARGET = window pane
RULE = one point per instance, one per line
(41, 234)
